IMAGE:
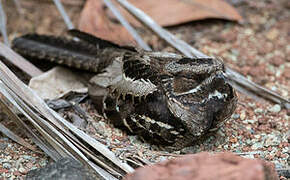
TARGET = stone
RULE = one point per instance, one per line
(22, 170)
(7, 165)
(277, 60)
(204, 165)
(63, 169)
(56, 82)
(272, 34)
(275, 109)
(257, 145)
(235, 116)
(258, 111)
(243, 115)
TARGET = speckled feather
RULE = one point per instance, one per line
(68, 52)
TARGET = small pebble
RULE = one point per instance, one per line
(243, 115)
(284, 93)
(257, 146)
(248, 31)
(274, 88)
(162, 158)
(257, 136)
(249, 142)
(33, 167)
(251, 156)
(29, 158)
(235, 52)
(272, 140)
(252, 105)
(235, 116)
(233, 58)
(22, 170)
(275, 109)
(258, 111)
(249, 121)
(272, 34)
(226, 146)
(6, 165)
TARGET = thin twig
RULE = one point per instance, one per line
(26, 129)
(18, 6)
(14, 100)
(125, 23)
(15, 138)
(239, 81)
(64, 15)
(3, 24)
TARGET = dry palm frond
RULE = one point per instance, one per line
(11, 134)
(19, 61)
(58, 138)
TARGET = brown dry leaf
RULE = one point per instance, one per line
(94, 20)
(174, 12)
(98, 20)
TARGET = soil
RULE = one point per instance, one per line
(258, 48)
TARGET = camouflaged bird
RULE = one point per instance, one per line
(165, 98)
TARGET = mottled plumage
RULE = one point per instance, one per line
(165, 98)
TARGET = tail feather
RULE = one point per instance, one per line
(77, 54)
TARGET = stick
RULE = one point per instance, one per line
(63, 14)
(3, 25)
(125, 23)
(19, 61)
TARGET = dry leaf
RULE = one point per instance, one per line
(174, 12)
(55, 82)
(94, 20)
(99, 20)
